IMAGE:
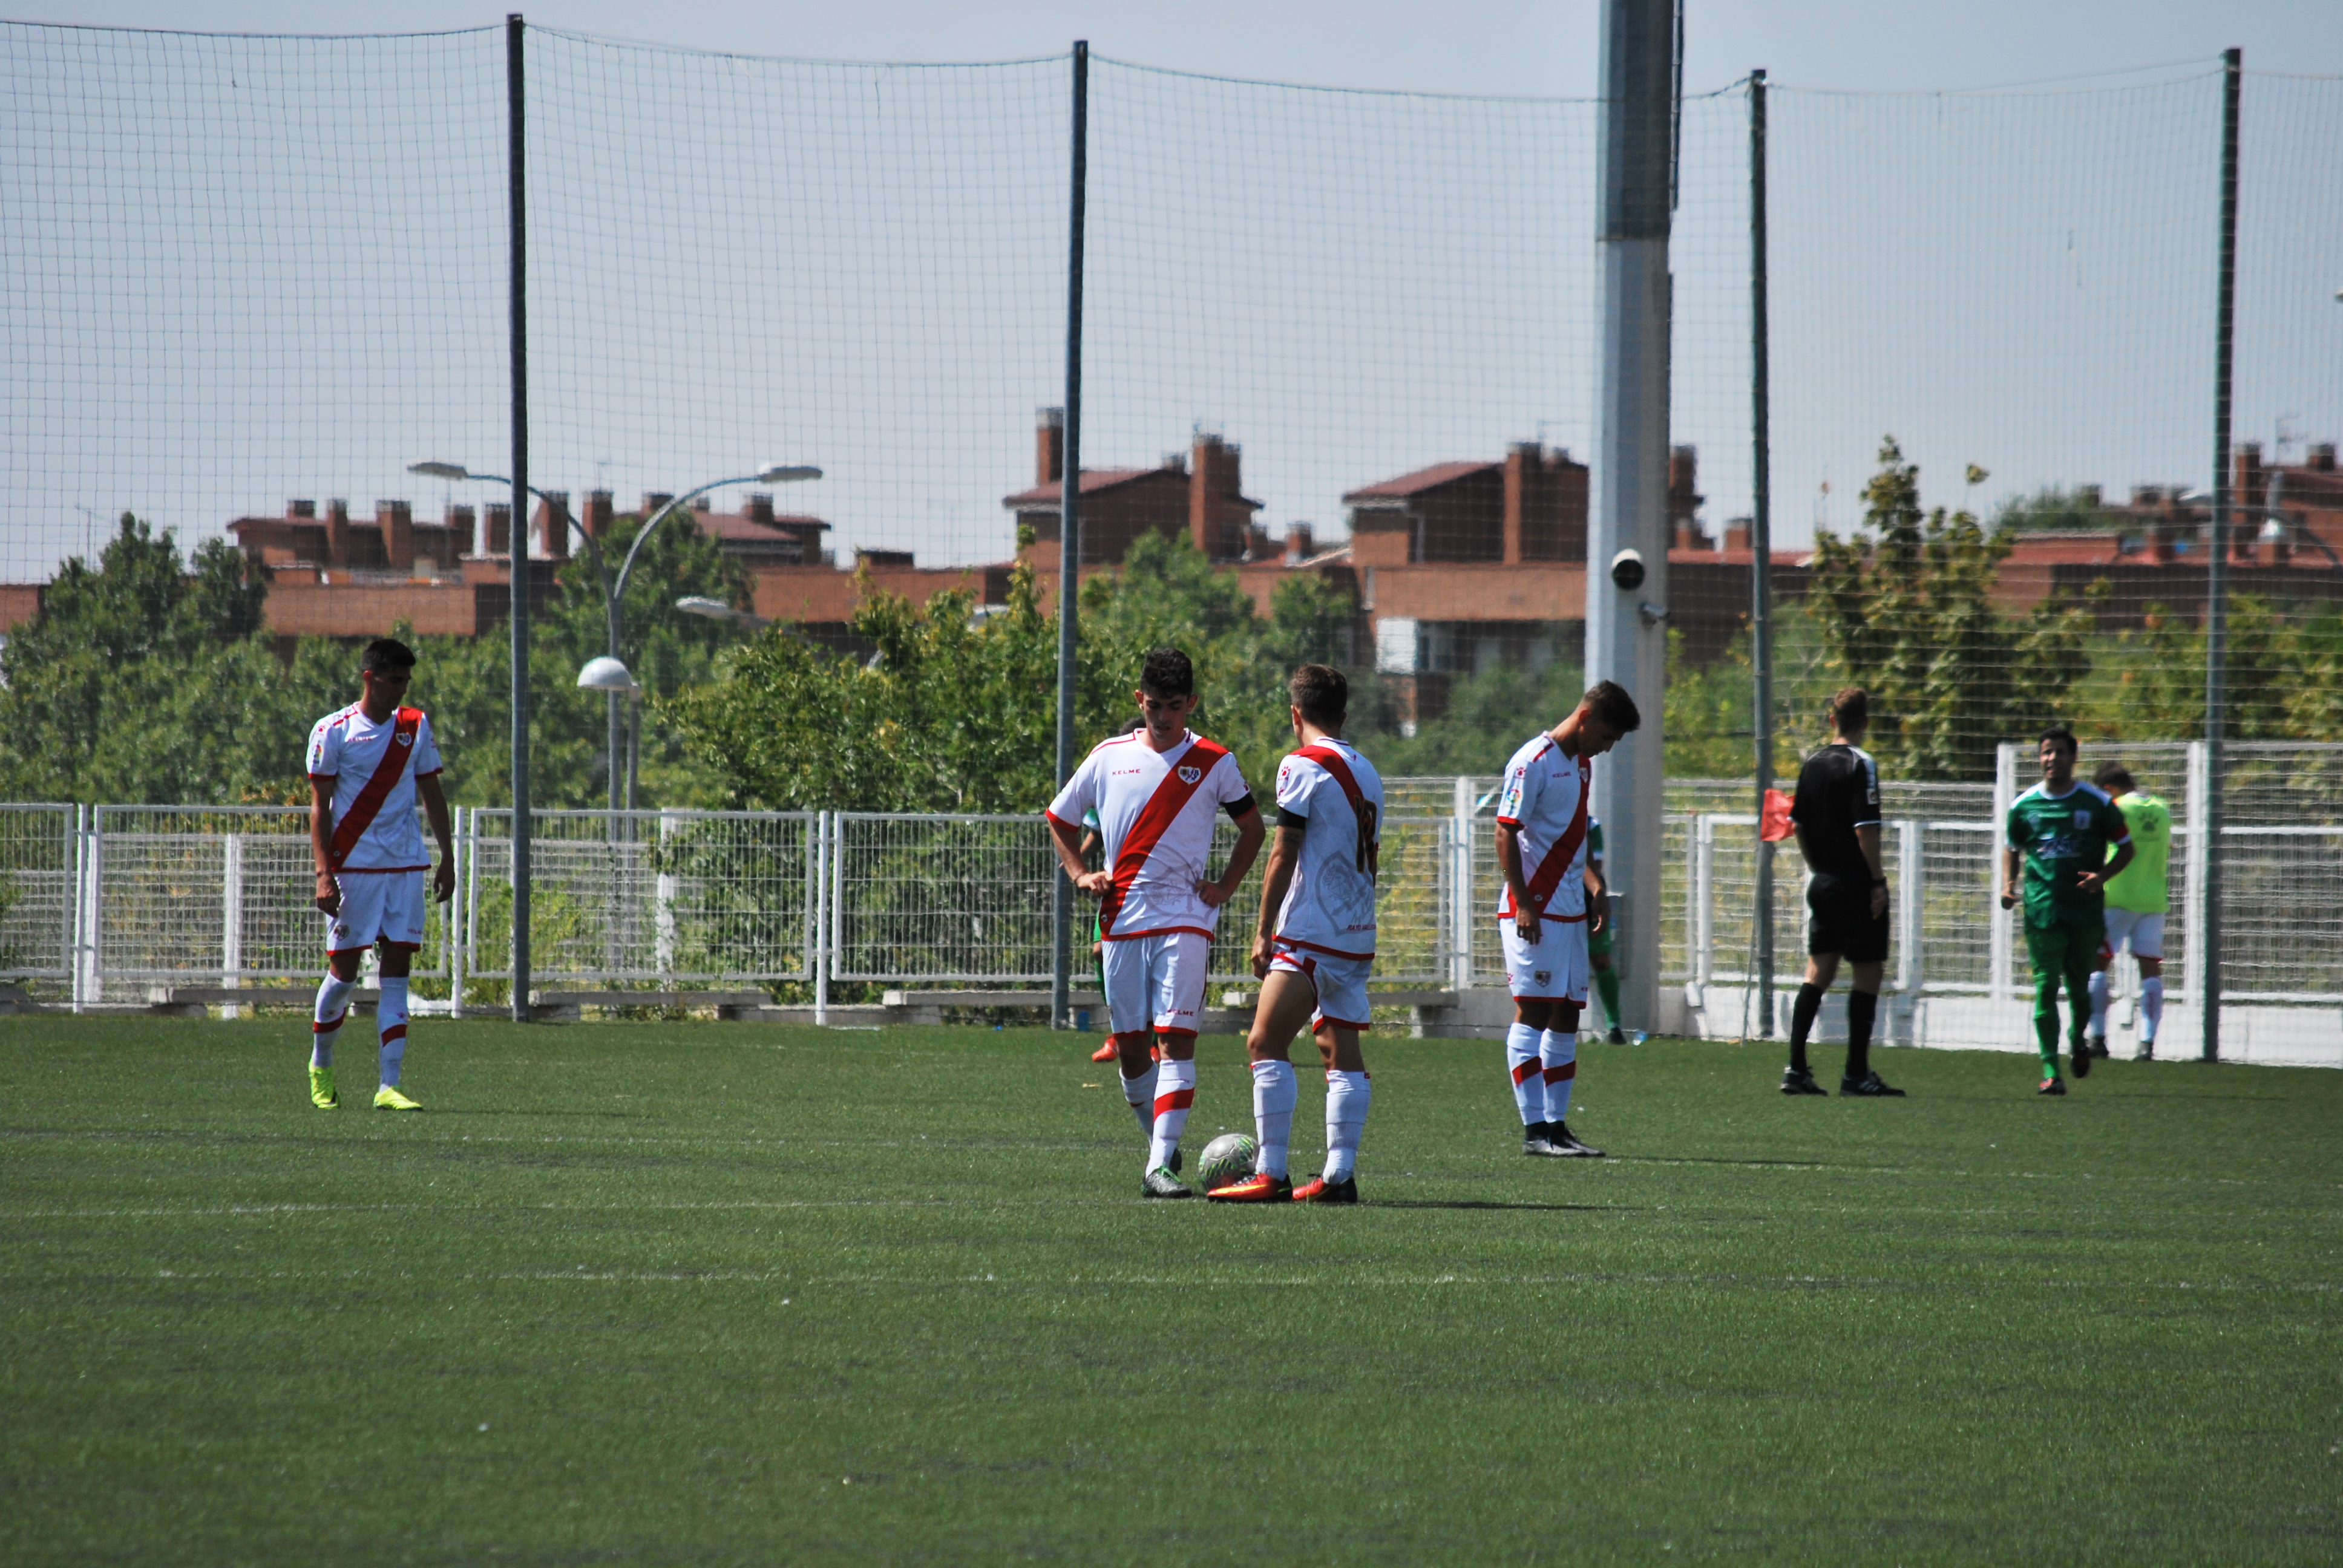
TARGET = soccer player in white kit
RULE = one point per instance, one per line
(368, 765)
(1155, 791)
(1315, 945)
(1542, 914)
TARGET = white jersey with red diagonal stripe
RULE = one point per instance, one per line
(1544, 795)
(348, 748)
(1155, 812)
(1329, 905)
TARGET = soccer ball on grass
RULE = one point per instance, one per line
(1226, 1159)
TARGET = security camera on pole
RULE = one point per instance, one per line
(1626, 537)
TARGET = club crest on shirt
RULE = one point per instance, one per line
(404, 738)
(1190, 775)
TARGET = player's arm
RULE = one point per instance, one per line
(2008, 876)
(1527, 915)
(2092, 882)
(1250, 833)
(1066, 839)
(435, 807)
(1866, 837)
(1283, 856)
(321, 843)
(1598, 895)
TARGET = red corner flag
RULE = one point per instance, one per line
(1775, 826)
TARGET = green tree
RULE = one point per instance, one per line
(145, 679)
(1908, 613)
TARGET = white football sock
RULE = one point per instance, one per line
(1140, 1093)
(1175, 1091)
(1275, 1091)
(390, 1022)
(1529, 1087)
(1558, 1051)
(2097, 1028)
(2151, 1008)
(325, 1018)
(1347, 1097)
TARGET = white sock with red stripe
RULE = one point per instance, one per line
(1140, 1093)
(1558, 1051)
(1175, 1091)
(2151, 1008)
(1529, 1084)
(326, 1019)
(390, 1021)
(2098, 993)
(1347, 1096)
(1275, 1091)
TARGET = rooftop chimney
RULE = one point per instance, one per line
(1050, 445)
(2322, 457)
(552, 526)
(1298, 544)
(338, 532)
(464, 523)
(396, 521)
(498, 524)
(758, 508)
(653, 500)
(599, 513)
(309, 509)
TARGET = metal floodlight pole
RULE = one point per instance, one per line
(515, 37)
(1069, 532)
(1761, 551)
(1626, 537)
(2216, 565)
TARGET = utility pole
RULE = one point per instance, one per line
(1626, 537)
(1069, 531)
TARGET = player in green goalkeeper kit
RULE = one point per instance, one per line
(2061, 830)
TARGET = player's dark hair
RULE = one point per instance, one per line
(1850, 710)
(1609, 702)
(2113, 778)
(1322, 693)
(1167, 673)
(387, 656)
(2059, 735)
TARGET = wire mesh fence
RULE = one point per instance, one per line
(40, 867)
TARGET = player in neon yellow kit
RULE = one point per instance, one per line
(2137, 898)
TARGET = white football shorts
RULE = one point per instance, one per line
(1555, 969)
(1341, 983)
(2144, 934)
(1156, 981)
(378, 906)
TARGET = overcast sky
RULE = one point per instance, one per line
(1503, 46)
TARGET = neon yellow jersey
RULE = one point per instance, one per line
(2142, 886)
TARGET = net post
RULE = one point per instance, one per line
(516, 35)
(2216, 563)
(1760, 547)
(1070, 536)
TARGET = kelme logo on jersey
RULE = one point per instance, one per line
(1190, 775)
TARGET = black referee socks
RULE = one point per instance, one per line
(1802, 1023)
(1862, 1008)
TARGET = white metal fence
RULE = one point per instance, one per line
(98, 903)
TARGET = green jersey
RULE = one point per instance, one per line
(2141, 887)
(2059, 837)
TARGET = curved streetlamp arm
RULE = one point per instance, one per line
(626, 571)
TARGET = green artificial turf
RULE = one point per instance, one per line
(700, 1292)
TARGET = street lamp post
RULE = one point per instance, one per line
(613, 592)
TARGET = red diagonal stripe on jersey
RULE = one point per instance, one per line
(1177, 1099)
(1556, 863)
(1567, 1070)
(1525, 1071)
(396, 1031)
(1329, 758)
(396, 754)
(1155, 820)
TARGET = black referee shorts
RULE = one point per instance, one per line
(1842, 922)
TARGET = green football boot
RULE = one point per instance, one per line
(389, 1098)
(322, 1093)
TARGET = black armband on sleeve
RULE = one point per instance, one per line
(1238, 807)
(1287, 817)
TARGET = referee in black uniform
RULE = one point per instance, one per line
(1836, 815)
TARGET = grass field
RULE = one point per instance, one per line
(687, 1293)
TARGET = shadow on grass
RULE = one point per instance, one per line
(1496, 1203)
